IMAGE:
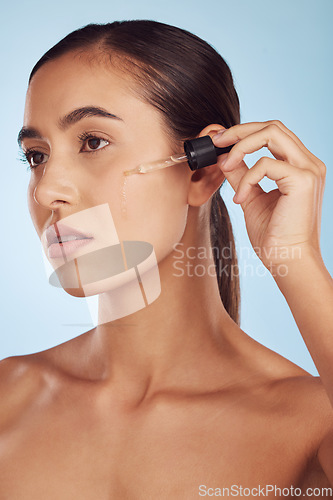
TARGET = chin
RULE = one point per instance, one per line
(137, 283)
(122, 295)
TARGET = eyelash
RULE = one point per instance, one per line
(25, 156)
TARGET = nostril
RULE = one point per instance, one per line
(52, 193)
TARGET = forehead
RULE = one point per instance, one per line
(75, 80)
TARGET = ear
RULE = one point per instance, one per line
(205, 181)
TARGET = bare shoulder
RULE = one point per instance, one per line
(307, 394)
(309, 398)
(295, 389)
(300, 404)
(304, 397)
(24, 378)
(17, 372)
(297, 396)
(21, 379)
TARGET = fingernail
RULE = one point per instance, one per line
(224, 161)
(218, 135)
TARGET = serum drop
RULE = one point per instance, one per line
(123, 197)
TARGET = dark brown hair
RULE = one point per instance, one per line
(191, 85)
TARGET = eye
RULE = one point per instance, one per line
(35, 158)
(92, 143)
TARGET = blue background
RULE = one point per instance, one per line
(280, 53)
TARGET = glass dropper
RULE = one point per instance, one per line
(198, 153)
(143, 168)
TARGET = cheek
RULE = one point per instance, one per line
(154, 209)
(148, 207)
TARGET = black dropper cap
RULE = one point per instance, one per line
(201, 152)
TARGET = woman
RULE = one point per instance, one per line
(172, 400)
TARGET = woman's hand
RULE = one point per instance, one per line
(284, 224)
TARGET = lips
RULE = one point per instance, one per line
(63, 240)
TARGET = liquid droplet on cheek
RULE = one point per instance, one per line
(123, 197)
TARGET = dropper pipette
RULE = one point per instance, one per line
(143, 168)
(200, 152)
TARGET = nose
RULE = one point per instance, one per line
(56, 186)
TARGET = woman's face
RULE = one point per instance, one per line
(79, 154)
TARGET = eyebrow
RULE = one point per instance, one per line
(66, 121)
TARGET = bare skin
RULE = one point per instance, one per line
(177, 395)
(67, 432)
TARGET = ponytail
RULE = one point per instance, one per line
(225, 258)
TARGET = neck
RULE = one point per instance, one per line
(179, 338)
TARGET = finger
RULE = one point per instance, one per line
(238, 132)
(234, 134)
(287, 177)
(279, 144)
(235, 176)
(319, 164)
(299, 143)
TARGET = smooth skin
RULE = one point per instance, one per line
(176, 395)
